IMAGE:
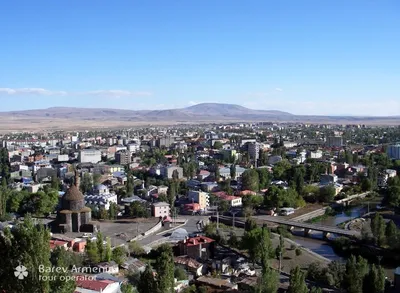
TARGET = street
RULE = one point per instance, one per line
(190, 227)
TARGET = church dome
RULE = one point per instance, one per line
(73, 194)
(73, 198)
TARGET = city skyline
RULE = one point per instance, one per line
(304, 58)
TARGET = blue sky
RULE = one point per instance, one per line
(304, 57)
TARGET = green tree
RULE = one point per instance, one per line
(217, 145)
(250, 225)
(96, 179)
(147, 282)
(366, 184)
(297, 281)
(113, 211)
(233, 240)
(108, 252)
(327, 193)
(127, 288)
(392, 235)
(268, 283)
(119, 255)
(4, 196)
(136, 249)
(374, 282)
(164, 267)
(250, 180)
(27, 244)
(232, 169)
(356, 270)
(129, 184)
(92, 252)
(393, 196)
(264, 177)
(280, 249)
(336, 274)
(180, 274)
(378, 227)
(297, 178)
(138, 210)
(44, 202)
(55, 183)
(315, 290)
(100, 246)
(62, 280)
(86, 183)
(171, 193)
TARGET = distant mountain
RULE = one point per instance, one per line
(205, 111)
(229, 110)
(86, 118)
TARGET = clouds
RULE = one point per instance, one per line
(278, 89)
(117, 93)
(31, 91)
(97, 93)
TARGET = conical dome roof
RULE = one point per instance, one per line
(73, 194)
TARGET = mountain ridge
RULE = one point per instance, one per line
(203, 109)
(73, 118)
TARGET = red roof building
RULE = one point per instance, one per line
(197, 247)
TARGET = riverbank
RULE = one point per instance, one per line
(290, 259)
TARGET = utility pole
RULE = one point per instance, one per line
(217, 219)
(280, 262)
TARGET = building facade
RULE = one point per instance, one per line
(123, 157)
(393, 151)
(200, 197)
(160, 209)
(168, 172)
(334, 141)
(90, 156)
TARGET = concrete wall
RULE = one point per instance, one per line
(157, 227)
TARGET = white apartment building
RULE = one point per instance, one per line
(101, 197)
(316, 154)
(89, 156)
(167, 172)
(134, 147)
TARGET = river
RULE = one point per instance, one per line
(316, 243)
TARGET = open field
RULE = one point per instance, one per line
(9, 124)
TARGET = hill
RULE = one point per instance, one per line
(60, 118)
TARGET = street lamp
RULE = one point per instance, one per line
(233, 218)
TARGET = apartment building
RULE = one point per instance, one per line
(334, 141)
(160, 209)
(89, 156)
(200, 197)
(168, 172)
(254, 150)
(393, 151)
(123, 157)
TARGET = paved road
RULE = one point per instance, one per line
(190, 227)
